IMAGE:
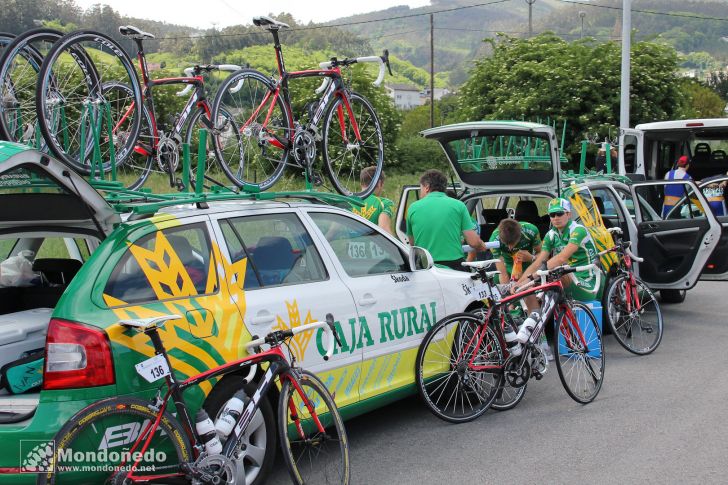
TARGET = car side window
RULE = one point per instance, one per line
(669, 202)
(170, 263)
(361, 249)
(6, 246)
(279, 250)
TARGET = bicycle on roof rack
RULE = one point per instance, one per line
(349, 139)
(92, 109)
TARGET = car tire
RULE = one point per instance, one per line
(672, 296)
(265, 437)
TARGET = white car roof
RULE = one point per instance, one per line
(683, 124)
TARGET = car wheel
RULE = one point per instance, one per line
(254, 462)
(672, 296)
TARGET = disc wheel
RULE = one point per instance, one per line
(345, 154)
(634, 315)
(96, 442)
(254, 157)
(458, 368)
(311, 432)
(579, 352)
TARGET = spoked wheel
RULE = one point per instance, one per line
(345, 154)
(73, 104)
(19, 67)
(579, 352)
(222, 141)
(634, 315)
(507, 397)
(255, 157)
(458, 368)
(97, 441)
(312, 434)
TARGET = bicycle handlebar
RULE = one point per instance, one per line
(327, 325)
(190, 72)
(565, 268)
(383, 61)
(488, 245)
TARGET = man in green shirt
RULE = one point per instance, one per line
(438, 223)
(376, 208)
(570, 243)
(519, 243)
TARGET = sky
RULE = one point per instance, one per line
(222, 13)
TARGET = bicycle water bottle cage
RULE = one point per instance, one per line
(134, 33)
(269, 23)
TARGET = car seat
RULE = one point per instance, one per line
(57, 274)
(273, 258)
(699, 163)
(718, 156)
(492, 219)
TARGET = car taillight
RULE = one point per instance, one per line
(76, 356)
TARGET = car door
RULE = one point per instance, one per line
(631, 151)
(717, 266)
(287, 282)
(396, 306)
(675, 245)
(410, 194)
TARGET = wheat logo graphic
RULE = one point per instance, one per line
(36, 456)
(300, 342)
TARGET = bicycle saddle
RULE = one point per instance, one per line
(269, 23)
(134, 33)
(143, 324)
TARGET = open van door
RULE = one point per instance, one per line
(676, 233)
(631, 151)
(410, 194)
(715, 191)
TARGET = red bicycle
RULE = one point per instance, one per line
(633, 312)
(463, 365)
(349, 139)
(125, 440)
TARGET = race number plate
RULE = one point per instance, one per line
(357, 250)
(153, 369)
(480, 290)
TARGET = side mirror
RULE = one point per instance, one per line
(419, 259)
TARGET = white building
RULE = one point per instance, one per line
(405, 96)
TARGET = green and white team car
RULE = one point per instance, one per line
(232, 268)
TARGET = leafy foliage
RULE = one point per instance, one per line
(579, 82)
(702, 101)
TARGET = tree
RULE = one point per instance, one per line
(701, 101)
(547, 77)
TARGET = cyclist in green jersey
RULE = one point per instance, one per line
(570, 243)
(519, 243)
(376, 208)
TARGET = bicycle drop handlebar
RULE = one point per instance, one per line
(383, 61)
(275, 337)
(190, 72)
(626, 245)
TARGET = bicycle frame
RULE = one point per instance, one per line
(335, 89)
(279, 367)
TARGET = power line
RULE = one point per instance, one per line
(650, 12)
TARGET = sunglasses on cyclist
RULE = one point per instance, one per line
(556, 214)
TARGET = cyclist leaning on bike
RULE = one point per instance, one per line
(570, 243)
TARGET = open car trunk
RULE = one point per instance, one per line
(39, 198)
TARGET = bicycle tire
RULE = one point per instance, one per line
(639, 333)
(343, 159)
(307, 460)
(574, 361)
(213, 151)
(20, 64)
(451, 391)
(70, 84)
(247, 163)
(508, 397)
(114, 425)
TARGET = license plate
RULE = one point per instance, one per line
(153, 369)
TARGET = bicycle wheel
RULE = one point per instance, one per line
(579, 352)
(448, 384)
(344, 154)
(314, 454)
(218, 141)
(19, 67)
(134, 169)
(96, 442)
(72, 106)
(636, 322)
(255, 157)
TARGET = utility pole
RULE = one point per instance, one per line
(432, 70)
(582, 14)
(530, 17)
(626, 47)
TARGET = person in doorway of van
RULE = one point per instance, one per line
(673, 193)
(376, 209)
(437, 223)
(715, 193)
(568, 242)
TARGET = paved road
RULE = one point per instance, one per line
(658, 419)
